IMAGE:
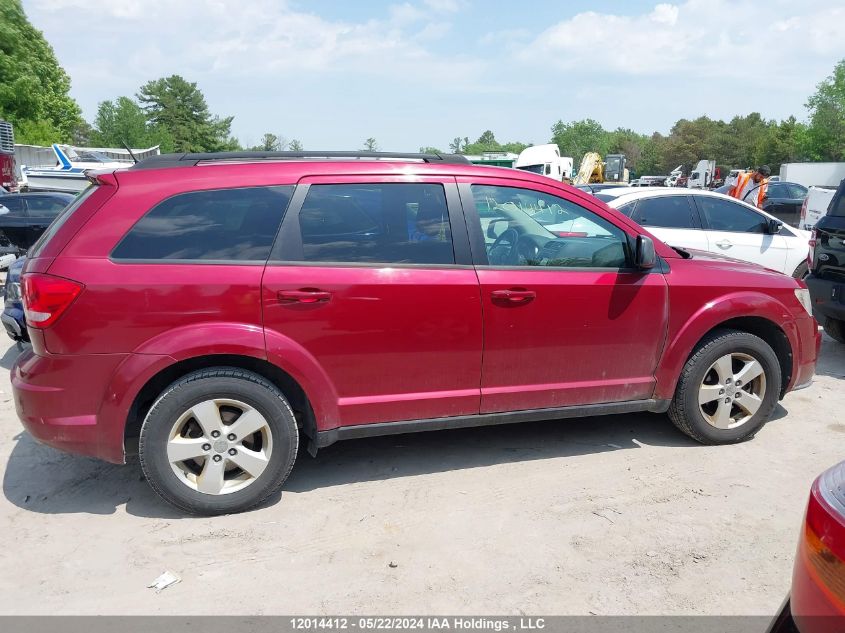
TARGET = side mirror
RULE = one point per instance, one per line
(645, 258)
(774, 226)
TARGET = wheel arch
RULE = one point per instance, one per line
(756, 314)
(155, 385)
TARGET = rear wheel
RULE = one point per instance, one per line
(218, 441)
(728, 388)
(835, 329)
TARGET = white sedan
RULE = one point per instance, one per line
(707, 221)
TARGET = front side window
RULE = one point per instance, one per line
(671, 212)
(725, 215)
(45, 206)
(390, 223)
(523, 227)
(219, 225)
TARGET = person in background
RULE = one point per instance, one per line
(751, 187)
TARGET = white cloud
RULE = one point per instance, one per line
(705, 38)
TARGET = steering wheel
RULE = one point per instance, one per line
(503, 250)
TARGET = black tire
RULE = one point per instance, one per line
(835, 329)
(220, 383)
(685, 412)
(801, 271)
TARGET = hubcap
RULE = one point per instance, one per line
(219, 446)
(732, 391)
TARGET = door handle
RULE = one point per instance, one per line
(514, 296)
(724, 244)
(305, 295)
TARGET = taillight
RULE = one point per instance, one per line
(818, 586)
(811, 255)
(46, 297)
(804, 211)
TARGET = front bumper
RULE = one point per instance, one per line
(828, 298)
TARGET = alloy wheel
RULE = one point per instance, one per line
(732, 390)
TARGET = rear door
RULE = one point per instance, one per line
(673, 219)
(567, 321)
(372, 277)
(739, 231)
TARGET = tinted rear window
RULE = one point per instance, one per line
(219, 225)
(56, 224)
(378, 223)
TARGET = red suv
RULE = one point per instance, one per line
(213, 307)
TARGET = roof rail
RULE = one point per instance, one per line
(189, 160)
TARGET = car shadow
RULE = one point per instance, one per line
(11, 355)
(43, 480)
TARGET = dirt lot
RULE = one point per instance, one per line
(613, 515)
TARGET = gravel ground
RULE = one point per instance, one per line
(610, 515)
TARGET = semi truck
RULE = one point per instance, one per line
(546, 161)
(813, 174)
(8, 179)
(702, 175)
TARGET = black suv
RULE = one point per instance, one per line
(827, 268)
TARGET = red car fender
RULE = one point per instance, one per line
(682, 342)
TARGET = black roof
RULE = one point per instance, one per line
(189, 160)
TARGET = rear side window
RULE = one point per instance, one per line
(11, 207)
(391, 223)
(219, 225)
(45, 206)
(56, 224)
(671, 212)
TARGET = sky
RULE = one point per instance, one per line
(421, 72)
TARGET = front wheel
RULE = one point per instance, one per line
(218, 441)
(728, 388)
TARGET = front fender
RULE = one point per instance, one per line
(685, 336)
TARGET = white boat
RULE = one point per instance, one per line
(69, 173)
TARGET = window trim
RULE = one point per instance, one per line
(478, 243)
(204, 262)
(289, 238)
(706, 222)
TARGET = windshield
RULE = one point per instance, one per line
(534, 169)
(613, 165)
(93, 157)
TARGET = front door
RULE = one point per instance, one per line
(373, 279)
(739, 231)
(566, 320)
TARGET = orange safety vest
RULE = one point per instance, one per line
(741, 181)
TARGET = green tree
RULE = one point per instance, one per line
(270, 143)
(370, 145)
(33, 86)
(122, 121)
(826, 134)
(295, 145)
(179, 107)
(430, 150)
(579, 137)
(457, 145)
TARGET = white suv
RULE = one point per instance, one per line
(707, 221)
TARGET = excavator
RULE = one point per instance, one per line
(595, 170)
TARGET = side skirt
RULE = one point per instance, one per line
(329, 437)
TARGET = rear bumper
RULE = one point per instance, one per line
(828, 298)
(58, 398)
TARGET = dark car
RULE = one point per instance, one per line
(25, 216)
(783, 200)
(12, 316)
(827, 267)
(816, 601)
